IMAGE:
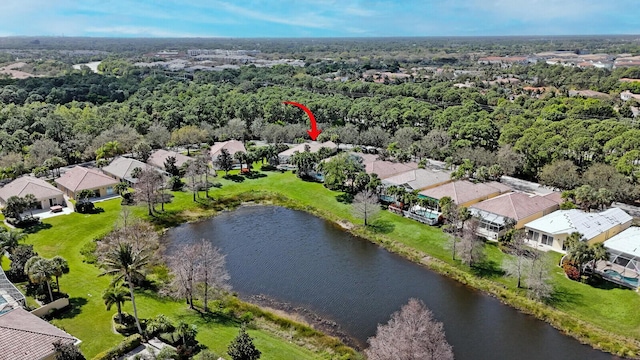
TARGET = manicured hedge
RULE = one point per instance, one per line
(128, 344)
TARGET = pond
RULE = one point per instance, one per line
(303, 260)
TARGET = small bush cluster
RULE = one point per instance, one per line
(122, 348)
(571, 270)
(85, 207)
(127, 326)
(25, 222)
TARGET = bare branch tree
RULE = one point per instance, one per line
(211, 271)
(520, 263)
(365, 205)
(471, 247)
(147, 188)
(183, 267)
(198, 268)
(411, 333)
(539, 281)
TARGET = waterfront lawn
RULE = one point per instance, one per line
(611, 308)
(89, 320)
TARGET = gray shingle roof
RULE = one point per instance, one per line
(158, 158)
(122, 168)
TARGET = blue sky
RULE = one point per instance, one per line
(316, 18)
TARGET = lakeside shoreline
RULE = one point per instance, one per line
(585, 332)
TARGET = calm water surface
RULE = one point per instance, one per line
(297, 258)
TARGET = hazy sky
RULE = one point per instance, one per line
(316, 18)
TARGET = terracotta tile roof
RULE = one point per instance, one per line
(463, 191)
(159, 156)
(25, 336)
(385, 169)
(29, 185)
(555, 197)
(81, 178)
(233, 146)
(516, 205)
(122, 168)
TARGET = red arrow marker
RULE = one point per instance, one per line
(314, 132)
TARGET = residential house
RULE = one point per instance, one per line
(628, 95)
(623, 265)
(384, 168)
(122, 168)
(552, 230)
(314, 147)
(464, 192)
(25, 336)
(159, 157)
(81, 178)
(418, 179)
(496, 213)
(232, 146)
(46, 193)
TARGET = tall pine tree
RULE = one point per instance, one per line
(242, 348)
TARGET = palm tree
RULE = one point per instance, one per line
(121, 187)
(599, 252)
(39, 270)
(116, 295)
(9, 240)
(126, 264)
(30, 202)
(60, 267)
(578, 251)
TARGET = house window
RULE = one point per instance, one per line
(547, 240)
(533, 235)
(110, 190)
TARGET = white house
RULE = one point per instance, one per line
(552, 230)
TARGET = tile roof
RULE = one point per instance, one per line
(627, 242)
(418, 179)
(158, 158)
(589, 225)
(25, 336)
(122, 168)
(233, 146)
(314, 146)
(516, 205)
(29, 185)
(385, 169)
(555, 197)
(81, 178)
(463, 191)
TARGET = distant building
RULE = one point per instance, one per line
(314, 146)
(122, 169)
(232, 146)
(628, 95)
(159, 157)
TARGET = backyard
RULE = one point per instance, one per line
(606, 308)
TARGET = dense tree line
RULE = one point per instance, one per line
(79, 116)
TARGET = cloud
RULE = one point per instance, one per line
(304, 19)
(141, 31)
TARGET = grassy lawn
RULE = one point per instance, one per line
(90, 322)
(610, 308)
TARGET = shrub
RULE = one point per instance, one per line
(85, 207)
(128, 325)
(176, 183)
(268, 167)
(126, 345)
(25, 222)
(88, 250)
(571, 270)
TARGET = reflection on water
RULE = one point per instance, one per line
(297, 258)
